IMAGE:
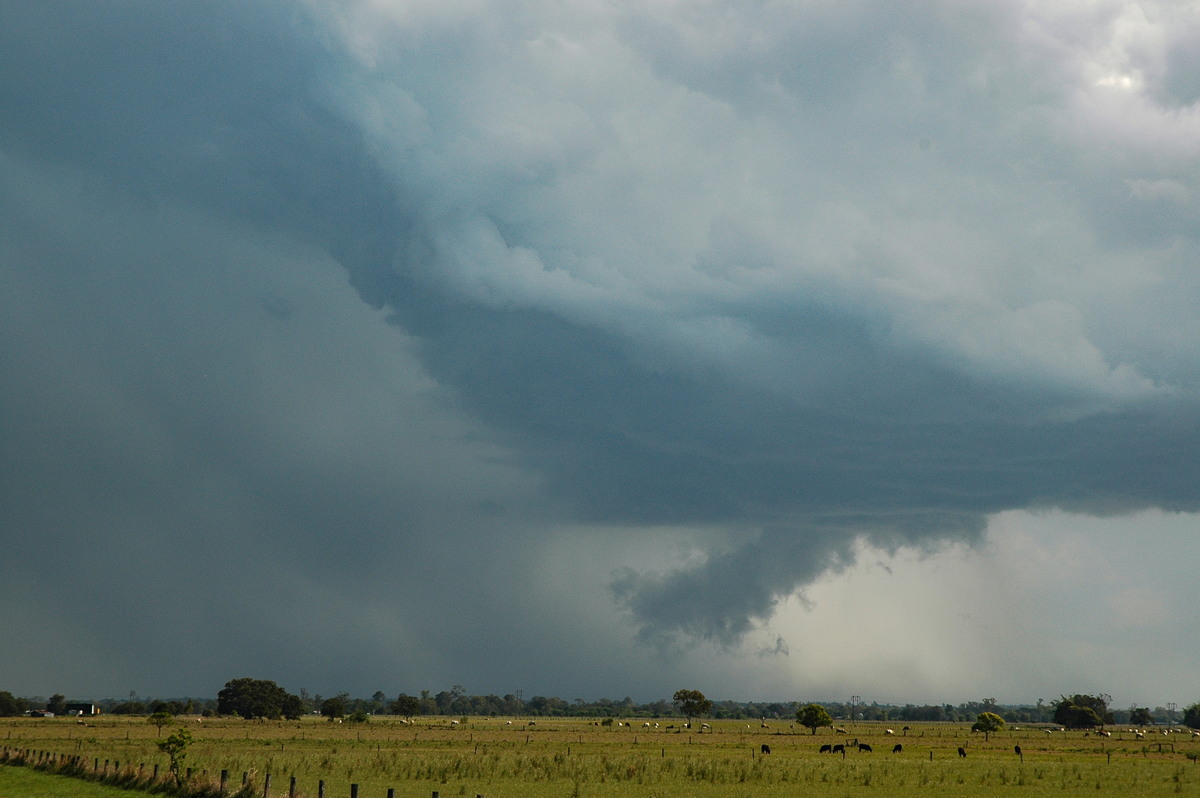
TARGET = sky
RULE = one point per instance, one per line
(780, 350)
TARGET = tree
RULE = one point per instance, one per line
(10, 705)
(334, 707)
(57, 704)
(988, 722)
(256, 698)
(406, 706)
(175, 747)
(692, 703)
(292, 706)
(813, 716)
(1140, 716)
(1191, 716)
(1082, 711)
(160, 719)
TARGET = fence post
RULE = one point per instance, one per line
(267, 787)
(224, 779)
(353, 791)
(320, 788)
(292, 788)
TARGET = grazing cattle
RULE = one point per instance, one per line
(897, 748)
(825, 749)
(962, 752)
(839, 749)
(866, 749)
(1017, 750)
(839, 730)
(764, 748)
(888, 731)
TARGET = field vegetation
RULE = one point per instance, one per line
(573, 757)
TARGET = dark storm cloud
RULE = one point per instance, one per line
(815, 277)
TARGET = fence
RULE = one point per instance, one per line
(193, 785)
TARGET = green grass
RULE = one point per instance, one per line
(28, 783)
(572, 758)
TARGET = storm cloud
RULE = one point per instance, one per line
(392, 310)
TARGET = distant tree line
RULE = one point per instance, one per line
(260, 698)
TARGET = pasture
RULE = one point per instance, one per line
(574, 758)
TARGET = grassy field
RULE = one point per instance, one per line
(29, 783)
(506, 758)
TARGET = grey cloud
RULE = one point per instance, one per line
(713, 279)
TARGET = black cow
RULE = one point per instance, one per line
(897, 748)
(866, 749)
(839, 749)
(962, 752)
(766, 749)
(825, 749)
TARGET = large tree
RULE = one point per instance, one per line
(1191, 716)
(1082, 711)
(10, 705)
(334, 707)
(692, 703)
(1140, 716)
(256, 698)
(406, 706)
(813, 716)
